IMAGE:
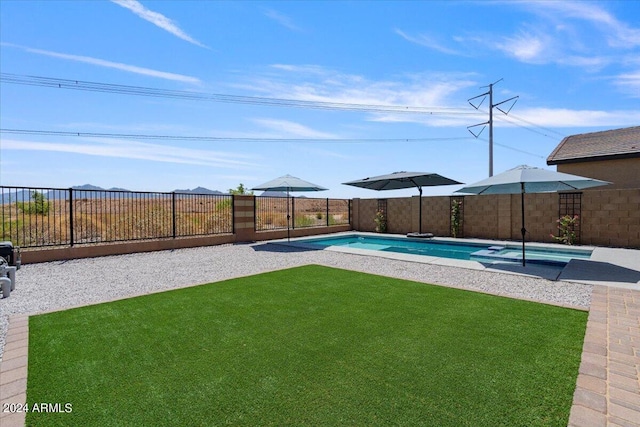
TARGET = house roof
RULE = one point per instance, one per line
(609, 144)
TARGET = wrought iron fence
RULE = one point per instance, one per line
(37, 217)
(271, 212)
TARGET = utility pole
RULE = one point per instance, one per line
(490, 122)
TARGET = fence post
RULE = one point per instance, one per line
(233, 214)
(293, 212)
(327, 211)
(173, 213)
(71, 216)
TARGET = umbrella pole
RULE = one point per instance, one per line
(523, 230)
(420, 210)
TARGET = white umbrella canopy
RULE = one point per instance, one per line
(289, 183)
(534, 180)
(528, 179)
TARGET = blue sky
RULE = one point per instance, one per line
(574, 65)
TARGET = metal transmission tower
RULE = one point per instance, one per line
(490, 121)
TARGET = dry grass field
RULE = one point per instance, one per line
(113, 218)
(271, 212)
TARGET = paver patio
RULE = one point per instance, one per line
(608, 385)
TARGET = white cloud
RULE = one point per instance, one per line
(315, 83)
(426, 41)
(116, 65)
(318, 84)
(617, 33)
(281, 19)
(137, 150)
(574, 33)
(629, 83)
(563, 117)
(289, 129)
(525, 47)
(541, 117)
(157, 19)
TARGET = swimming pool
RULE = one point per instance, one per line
(482, 252)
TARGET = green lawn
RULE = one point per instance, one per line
(307, 346)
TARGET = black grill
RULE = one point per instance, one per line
(10, 253)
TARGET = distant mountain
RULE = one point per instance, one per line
(199, 190)
(87, 187)
(270, 193)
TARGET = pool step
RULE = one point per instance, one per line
(494, 255)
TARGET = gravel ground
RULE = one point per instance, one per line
(64, 284)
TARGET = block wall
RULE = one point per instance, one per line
(541, 214)
(436, 215)
(364, 211)
(608, 217)
(481, 216)
(611, 218)
(400, 215)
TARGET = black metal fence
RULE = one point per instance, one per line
(37, 217)
(271, 212)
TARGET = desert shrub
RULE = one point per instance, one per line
(39, 205)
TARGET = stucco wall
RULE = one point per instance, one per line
(622, 173)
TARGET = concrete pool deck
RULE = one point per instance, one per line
(608, 386)
(607, 266)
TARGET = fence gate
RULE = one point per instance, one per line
(571, 204)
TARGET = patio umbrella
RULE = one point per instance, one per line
(288, 183)
(400, 180)
(527, 179)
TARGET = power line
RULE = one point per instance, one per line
(515, 149)
(154, 92)
(217, 97)
(508, 119)
(245, 139)
(163, 93)
(221, 139)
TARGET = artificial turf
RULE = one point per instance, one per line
(307, 346)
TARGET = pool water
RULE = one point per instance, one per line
(456, 250)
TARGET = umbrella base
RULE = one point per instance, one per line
(420, 235)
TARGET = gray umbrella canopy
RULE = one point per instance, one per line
(288, 183)
(527, 179)
(401, 180)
